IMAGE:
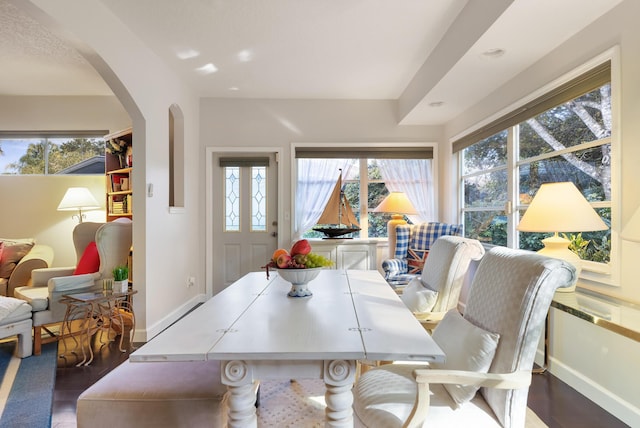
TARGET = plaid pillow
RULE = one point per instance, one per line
(415, 260)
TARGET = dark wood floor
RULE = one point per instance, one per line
(557, 404)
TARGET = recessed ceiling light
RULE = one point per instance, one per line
(187, 54)
(494, 53)
(207, 69)
(234, 88)
(436, 104)
(245, 55)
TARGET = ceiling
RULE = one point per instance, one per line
(437, 58)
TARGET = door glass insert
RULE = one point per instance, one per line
(258, 198)
(232, 198)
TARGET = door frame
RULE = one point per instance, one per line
(211, 153)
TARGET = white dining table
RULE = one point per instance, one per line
(259, 333)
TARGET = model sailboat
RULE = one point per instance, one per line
(337, 219)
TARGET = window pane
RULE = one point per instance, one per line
(486, 190)
(489, 227)
(352, 193)
(486, 154)
(373, 169)
(586, 118)
(232, 198)
(259, 198)
(588, 169)
(26, 156)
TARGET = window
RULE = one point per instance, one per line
(565, 136)
(52, 153)
(367, 175)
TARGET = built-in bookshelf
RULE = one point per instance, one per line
(119, 174)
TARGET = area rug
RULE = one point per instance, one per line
(26, 391)
(300, 404)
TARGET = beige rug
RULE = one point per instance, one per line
(300, 404)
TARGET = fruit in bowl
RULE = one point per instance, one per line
(298, 257)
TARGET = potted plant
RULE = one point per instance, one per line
(120, 278)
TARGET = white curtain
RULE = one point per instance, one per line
(316, 179)
(413, 177)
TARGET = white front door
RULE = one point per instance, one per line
(244, 212)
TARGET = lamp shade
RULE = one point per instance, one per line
(78, 198)
(631, 231)
(396, 203)
(560, 207)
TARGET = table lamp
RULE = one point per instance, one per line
(397, 204)
(78, 198)
(560, 207)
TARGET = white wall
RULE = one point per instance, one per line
(607, 380)
(167, 246)
(278, 123)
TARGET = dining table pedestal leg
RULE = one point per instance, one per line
(238, 376)
(339, 376)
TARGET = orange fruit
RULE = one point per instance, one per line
(278, 252)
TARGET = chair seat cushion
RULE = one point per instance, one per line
(384, 397)
(37, 297)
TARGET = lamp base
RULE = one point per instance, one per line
(558, 247)
(396, 219)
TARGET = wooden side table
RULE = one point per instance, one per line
(95, 311)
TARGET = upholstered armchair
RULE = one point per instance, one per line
(489, 352)
(99, 248)
(413, 243)
(437, 290)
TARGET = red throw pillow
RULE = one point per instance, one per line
(90, 260)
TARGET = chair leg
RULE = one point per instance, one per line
(25, 346)
(37, 339)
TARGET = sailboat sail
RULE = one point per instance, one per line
(337, 218)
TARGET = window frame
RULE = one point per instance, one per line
(592, 273)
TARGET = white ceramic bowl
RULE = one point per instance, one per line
(299, 276)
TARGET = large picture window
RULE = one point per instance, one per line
(564, 137)
(368, 175)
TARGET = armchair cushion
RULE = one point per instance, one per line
(11, 255)
(89, 261)
(415, 260)
(37, 297)
(467, 347)
(418, 298)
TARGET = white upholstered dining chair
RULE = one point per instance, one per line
(489, 352)
(437, 290)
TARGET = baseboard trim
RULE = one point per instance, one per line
(144, 335)
(612, 403)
